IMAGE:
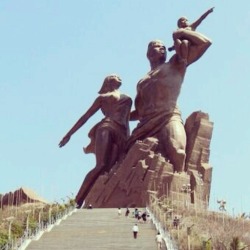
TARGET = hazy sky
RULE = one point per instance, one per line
(55, 55)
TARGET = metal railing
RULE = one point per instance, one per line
(28, 236)
(169, 241)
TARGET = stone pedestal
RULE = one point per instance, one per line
(143, 172)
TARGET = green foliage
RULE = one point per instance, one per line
(208, 245)
(17, 229)
(72, 202)
(45, 218)
(37, 212)
(33, 224)
(220, 228)
(3, 238)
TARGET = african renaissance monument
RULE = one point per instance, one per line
(162, 156)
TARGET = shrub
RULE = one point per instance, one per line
(3, 238)
(17, 229)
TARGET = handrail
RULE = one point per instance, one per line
(42, 229)
(22, 243)
(169, 241)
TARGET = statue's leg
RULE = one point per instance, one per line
(184, 48)
(199, 43)
(103, 145)
(113, 158)
(177, 46)
(173, 140)
(86, 186)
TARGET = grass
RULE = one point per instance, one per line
(208, 229)
(25, 220)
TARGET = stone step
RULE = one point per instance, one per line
(97, 228)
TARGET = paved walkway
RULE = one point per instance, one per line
(97, 229)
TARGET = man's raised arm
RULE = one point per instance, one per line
(199, 43)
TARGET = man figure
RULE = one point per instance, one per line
(119, 212)
(109, 136)
(175, 222)
(157, 94)
(158, 239)
(127, 212)
(135, 231)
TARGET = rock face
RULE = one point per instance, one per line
(143, 171)
(199, 133)
(21, 196)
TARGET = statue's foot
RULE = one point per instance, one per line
(171, 48)
(78, 206)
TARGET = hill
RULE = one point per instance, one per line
(198, 228)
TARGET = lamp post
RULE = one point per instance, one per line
(70, 199)
(188, 235)
(222, 205)
(1, 206)
(152, 199)
(222, 208)
(200, 179)
(50, 222)
(64, 206)
(10, 220)
(57, 205)
(39, 217)
(27, 221)
(186, 188)
(198, 192)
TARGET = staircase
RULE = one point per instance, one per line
(97, 228)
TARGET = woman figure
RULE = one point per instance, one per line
(109, 136)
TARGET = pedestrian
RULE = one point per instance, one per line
(119, 212)
(127, 212)
(144, 216)
(176, 222)
(158, 239)
(139, 216)
(135, 230)
(136, 213)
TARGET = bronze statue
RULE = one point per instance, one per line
(109, 136)
(157, 93)
(180, 45)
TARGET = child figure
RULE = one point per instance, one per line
(180, 43)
